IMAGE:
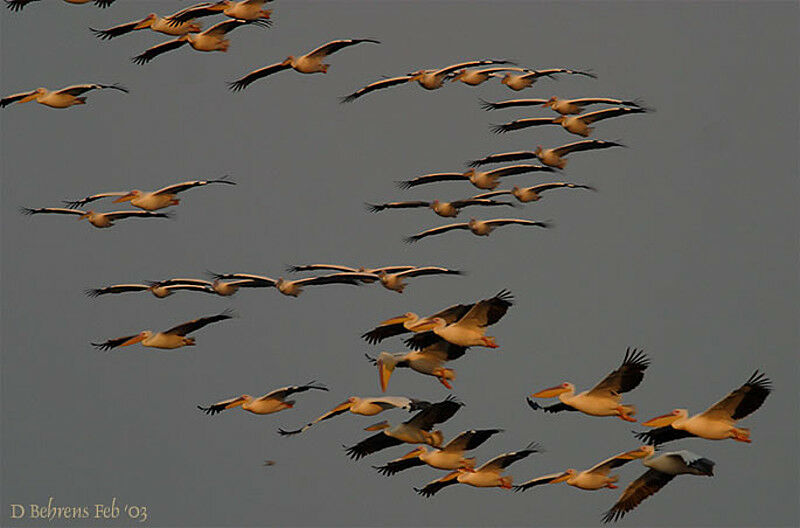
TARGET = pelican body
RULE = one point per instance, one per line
(270, 403)
(63, 98)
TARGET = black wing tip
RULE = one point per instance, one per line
(284, 432)
(349, 98)
(505, 296)
(93, 292)
(410, 240)
(404, 184)
(499, 129)
(237, 86)
(371, 359)
(646, 436)
(354, 452)
(384, 470)
(760, 380)
(141, 59)
(370, 338)
(26, 211)
(210, 410)
(533, 405)
(487, 105)
(373, 208)
(635, 357)
(102, 346)
(613, 515)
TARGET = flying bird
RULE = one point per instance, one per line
(480, 179)
(489, 475)
(474, 77)
(562, 106)
(152, 22)
(429, 360)
(525, 80)
(245, 10)
(605, 398)
(445, 209)
(469, 330)
(212, 39)
(715, 423)
(99, 220)
(578, 125)
(63, 98)
(417, 430)
(595, 478)
(364, 407)
(175, 337)
(663, 468)
(17, 5)
(402, 324)
(532, 194)
(553, 157)
(450, 456)
(220, 287)
(157, 289)
(311, 62)
(295, 288)
(271, 402)
(477, 227)
(149, 201)
(395, 281)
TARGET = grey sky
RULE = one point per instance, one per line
(689, 251)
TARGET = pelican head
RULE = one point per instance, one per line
(146, 22)
(87, 214)
(386, 364)
(458, 75)
(667, 419)
(641, 452)
(141, 336)
(552, 392)
(551, 102)
(420, 450)
(288, 61)
(435, 438)
(538, 150)
(378, 426)
(559, 120)
(506, 78)
(564, 476)
(405, 318)
(129, 196)
(428, 324)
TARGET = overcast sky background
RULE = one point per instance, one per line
(688, 251)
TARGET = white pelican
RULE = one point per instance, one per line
(364, 407)
(715, 423)
(394, 281)
(562, 106)
(63, 98)
(578, 125)
(99, 220)
(295, 288)
(157, 289)
(478, 227)
(480, 179)
(474, 77)
(524, 80)
(149, 201)
(604, 399)
(429, 360)
(433, 79)
(449, 456)
(218, 286)
(244, 10)
(173, 338)
(553, 157)
(16, 5)
(445, 209)
(417, 430)
(489, 475)
(594, 478)
(152, 22)
(532, 194)
(469, 330)
(663, 468)
(212, 39)
(402, 324)
(311, 62)
(271, 402)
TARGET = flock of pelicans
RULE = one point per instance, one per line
(446, 335)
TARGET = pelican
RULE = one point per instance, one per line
(469, 330)
(532, 194)
(173, 338)
(480, 179)
(417, 430)
(715, 423)
(271, 402)
(478, 227)
(578, 125)
(152, 22)
(594, 478)
(402, 324)
(364, 407)
(63, 98)
(445, 209)
(394, 281)
(157, 289)
(562, 106)
(433, 79)
(220, 287)
(524, 80)
(604, 399)
(17, 5)
(663, 468)
(450, 456)
(245, 10)
(474, 77)
(98, 220)
(295, 288)
(212, 39)
(489, 475)
(553, 157)
(149, 201)
(429, 360)
(311, 62)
